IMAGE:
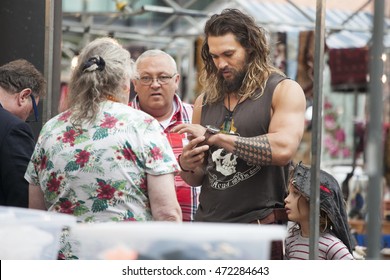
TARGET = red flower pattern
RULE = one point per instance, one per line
(67, 207)
(156, 153)
(105, 191)
(128, 154)
(130, 219)
(54, 183)
(69, 136)
(43, 163)
(82, 158)
(143, 184)
(65, 116)
(109, 121)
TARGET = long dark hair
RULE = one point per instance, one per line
(252, 37)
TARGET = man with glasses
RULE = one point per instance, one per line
(156, 85)
(21, 87)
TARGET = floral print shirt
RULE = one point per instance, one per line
(97, 172)
(187, 196)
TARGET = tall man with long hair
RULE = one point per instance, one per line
(246, 126)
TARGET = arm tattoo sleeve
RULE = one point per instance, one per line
(254, 150)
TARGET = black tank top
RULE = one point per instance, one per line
(233, 191)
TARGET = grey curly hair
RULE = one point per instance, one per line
(103, 69)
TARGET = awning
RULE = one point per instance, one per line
(345, 29)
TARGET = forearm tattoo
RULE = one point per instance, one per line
(254, 150)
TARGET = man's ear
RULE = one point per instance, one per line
(177, 78)
(177, 81)
(24, 95)
(134, 82)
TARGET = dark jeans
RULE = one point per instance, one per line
(278, 216)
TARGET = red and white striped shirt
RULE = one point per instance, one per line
(187, 196)
(329, 246)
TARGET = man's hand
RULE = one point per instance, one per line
(193, 130)
(193, 156)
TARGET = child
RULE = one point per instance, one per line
(334, 240)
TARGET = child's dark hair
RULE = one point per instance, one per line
(332, 203)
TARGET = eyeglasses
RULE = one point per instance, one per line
(162, 80)
(35, 107)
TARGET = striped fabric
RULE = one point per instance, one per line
(187, 196)
(330, 247)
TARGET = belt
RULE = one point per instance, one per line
(277, 216)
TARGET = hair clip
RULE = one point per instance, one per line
(94, 63)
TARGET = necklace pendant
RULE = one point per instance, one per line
(233, 129)
(226, 123)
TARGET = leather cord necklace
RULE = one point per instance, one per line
(228, 124)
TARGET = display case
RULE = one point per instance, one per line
(167, 240)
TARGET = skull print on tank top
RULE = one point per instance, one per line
(253, 190)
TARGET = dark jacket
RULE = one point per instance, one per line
(16, 147)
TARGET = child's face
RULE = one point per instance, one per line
(297, 207)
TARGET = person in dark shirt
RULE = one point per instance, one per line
(246, 126)
(21, 87)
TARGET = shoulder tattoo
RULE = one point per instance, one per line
(254, 150)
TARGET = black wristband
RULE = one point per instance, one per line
(181, 167)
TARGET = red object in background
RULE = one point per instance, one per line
(63, 104)
(349, 68)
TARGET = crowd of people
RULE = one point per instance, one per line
(226, 158)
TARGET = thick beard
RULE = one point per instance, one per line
(233, 85)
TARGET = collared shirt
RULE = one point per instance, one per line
(187, 196)
(98, 171)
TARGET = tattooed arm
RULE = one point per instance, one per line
(254, 150)
(285, 132)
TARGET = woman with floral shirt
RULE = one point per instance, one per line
(101, 160)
